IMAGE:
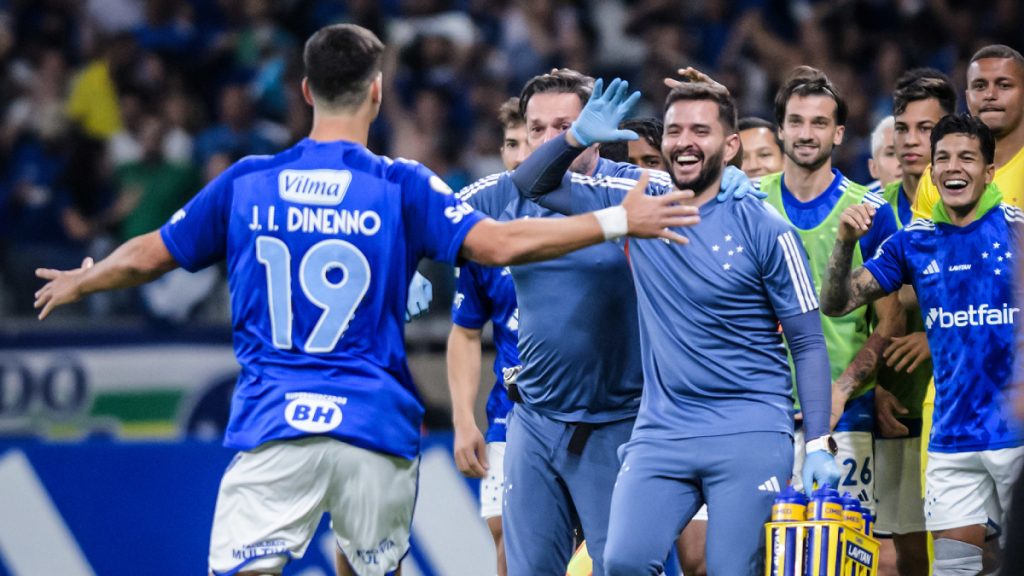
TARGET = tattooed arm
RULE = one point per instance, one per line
(841, 290)
(891, 323)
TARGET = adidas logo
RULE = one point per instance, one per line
(770, 485)
(933, 268)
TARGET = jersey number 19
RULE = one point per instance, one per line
(338, 300)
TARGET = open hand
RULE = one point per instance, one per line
(652, 216)
(62, 288)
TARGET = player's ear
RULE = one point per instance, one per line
(990, 173)
(733, 147)
(377, 88)
(307, 95)
(873, 168)
(838, 139)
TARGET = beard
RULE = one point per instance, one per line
(710, 171)
(815, 162)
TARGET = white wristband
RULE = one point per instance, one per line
(613, 222)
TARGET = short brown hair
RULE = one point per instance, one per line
(508, 114)
(558, 81)
(340, 62)
(922, 84)
(698, 90)
(808, 81)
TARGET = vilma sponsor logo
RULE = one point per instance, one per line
(983, 315)
(314, 187)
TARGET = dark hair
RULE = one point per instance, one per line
(649, 129)
(508, 114)
(922, 84)
(614, 151)
(751, 122)
(707, 91)
(969, 125)
(999, 51)
(559, 81)
(340, 62)
(807, 81)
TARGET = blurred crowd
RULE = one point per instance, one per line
(113, 113)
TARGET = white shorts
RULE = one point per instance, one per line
(900, 507)
(856, 462)
(491, 493)
(970, 488)
(271, 500)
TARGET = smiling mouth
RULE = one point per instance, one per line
(955, 184)
(687, 160)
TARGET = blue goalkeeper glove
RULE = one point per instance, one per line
(600, 118)
(820, 467)
(736, 185)
(421, 292)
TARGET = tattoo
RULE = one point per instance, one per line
(862, 367)
(842, 291)
(892, 322)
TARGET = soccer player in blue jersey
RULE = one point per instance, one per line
(320, 242)
(811, 194)
(922, 97)
(715, 421)
(961, 263)
(486, 295)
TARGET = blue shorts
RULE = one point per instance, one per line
(662, 483)
(545, 482)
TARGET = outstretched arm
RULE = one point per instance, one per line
(137, 261)
(528, 240)
(843, 291)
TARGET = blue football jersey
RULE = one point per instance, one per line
(964, 279)
(713, 357)
(579, 339)
(321, 241)
(483, 294)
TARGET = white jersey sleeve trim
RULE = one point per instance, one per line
(798, 273)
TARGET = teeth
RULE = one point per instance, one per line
(956, 183)
(686, 158)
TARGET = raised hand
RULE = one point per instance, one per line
(855, 222)
(652, 216)
(600, 118)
